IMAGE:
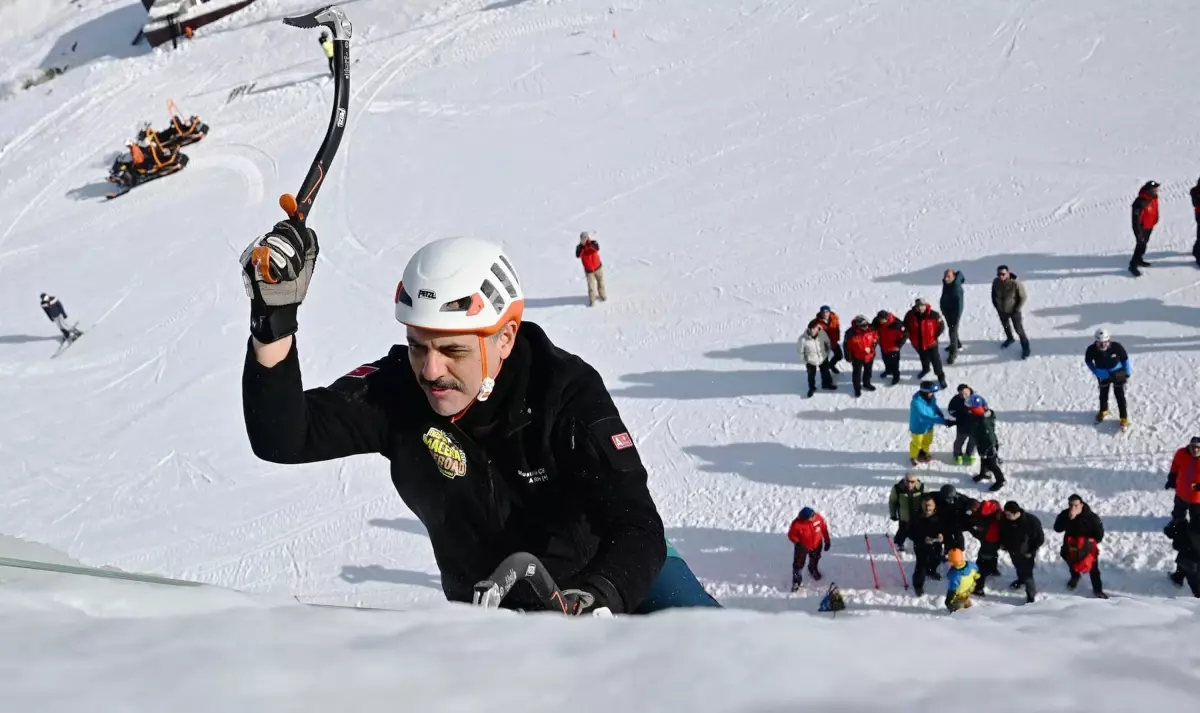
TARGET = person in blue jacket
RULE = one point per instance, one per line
(58, 314)
(1109, 362)
(923, 415)
(960, 580)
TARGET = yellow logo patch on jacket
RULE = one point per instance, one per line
(450, 459)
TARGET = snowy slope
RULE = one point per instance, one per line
(741, 163)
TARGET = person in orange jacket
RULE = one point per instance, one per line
(861, 340)
(891, 341)
(1145, 217)
(1184, 479)
(828, 320)
(810, 535)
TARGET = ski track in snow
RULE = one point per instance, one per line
(742, 166)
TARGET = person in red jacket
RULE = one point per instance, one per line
(985, 526)
(1184, 479)
(861, 340)
(924, 325)
(588, 252)
(891, 341)
(1145, 217)
(810, 535)
(828, 320)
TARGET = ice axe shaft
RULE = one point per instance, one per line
(299, 205)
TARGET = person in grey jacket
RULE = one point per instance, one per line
(1008, 297)
(952, 309)
(815, 350)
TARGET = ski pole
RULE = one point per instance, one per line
(903, 576)
(341, 29)
(871, 557)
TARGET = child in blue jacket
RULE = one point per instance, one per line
(960, 580)
(923, 415)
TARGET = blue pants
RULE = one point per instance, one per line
(674, 587)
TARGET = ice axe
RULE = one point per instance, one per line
(340, 28)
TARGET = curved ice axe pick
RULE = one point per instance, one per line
(341, 29)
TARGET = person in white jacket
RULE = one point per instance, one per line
(815, 350)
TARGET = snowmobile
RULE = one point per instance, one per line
(143, 164)
(178, 134)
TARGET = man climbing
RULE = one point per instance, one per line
(499, 441)
(58, 314)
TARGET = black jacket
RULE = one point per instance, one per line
(1023, 536)
(957, 409)
(922, 527)
(951, 302)
(1195, 193)
(54, 309)
(548, 468)
(1086, 524)
(985, 434)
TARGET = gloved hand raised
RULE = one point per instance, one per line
(276, 270)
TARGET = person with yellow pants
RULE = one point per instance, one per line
(923, 415)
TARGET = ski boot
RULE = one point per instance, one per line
(1101, 414)
(996, 486)
(868, 387)
(958, 460)
(815, 574)
(1124, 424)
(970, 460)
(1007, 343)
(924, 457)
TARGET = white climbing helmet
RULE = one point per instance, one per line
(1102, 335)
(460, 285)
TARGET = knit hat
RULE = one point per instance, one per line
(806, 513)
(1012, 506)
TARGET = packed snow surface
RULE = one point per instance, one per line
(741, 163)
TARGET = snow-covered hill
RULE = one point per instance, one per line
(741, 164)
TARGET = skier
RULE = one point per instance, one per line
(1109, 362)
(951, 304)
(57, 314)
(1008, 297)
(961, 580)
(1021, 535)
(904, 503)
(891, 341)
(964, 438)
(1196, 209)
(927, 531)
(861, 340)
(1082, 533)
(924, 326)
(499, 441)
(923, 415)
(1184, 478)
(814, 354)
(810, 535)
(983, 421)
(1185, 539)
(985, 526)
(1145, 217)
(327, 45)
(588, 252)
(828, 321)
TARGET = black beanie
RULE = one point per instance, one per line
(1012, 506)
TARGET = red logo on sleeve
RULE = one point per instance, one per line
(363, 371)
(621, 441)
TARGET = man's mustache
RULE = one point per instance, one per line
(442, 383)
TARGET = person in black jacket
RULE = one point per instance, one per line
(1021, 535)
(904, 505)
(499, 441)
(1109, 363)
(955, 510)
(1196, 209)
(952, 309)
(929, 543)
(964, 438)
(1083, 531)
(56, 313)
(1185, 539)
